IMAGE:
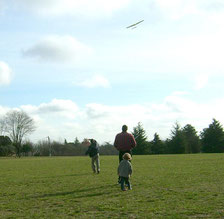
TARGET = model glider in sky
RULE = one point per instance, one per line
(134, 25)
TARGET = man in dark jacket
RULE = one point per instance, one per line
(124, 142)
(93, 152)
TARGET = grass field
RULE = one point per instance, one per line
(165, 186)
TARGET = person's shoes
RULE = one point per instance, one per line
(130, 188)
(124, 189)
(98, 172)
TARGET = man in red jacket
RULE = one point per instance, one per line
(124, 142)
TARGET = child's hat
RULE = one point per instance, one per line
(127, 156)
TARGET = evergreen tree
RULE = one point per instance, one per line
(168, 146)
(77, 142)
(213, 138)
(193, 144)
(177, 143)
(143, 147)
(27, 147)
(157, 145)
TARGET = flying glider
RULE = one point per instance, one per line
(134, 25)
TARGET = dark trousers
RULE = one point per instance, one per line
(121, 153)
(125, 181)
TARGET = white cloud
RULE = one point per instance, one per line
(201, 80)
(174, 55)
(174, 9)
(5, 73)
(58, 49)
(215, 5)
(177, 9)
(61, 119)
(94, 81)
(3, 110)
(72, 7)
(52, 119)
(57, 107)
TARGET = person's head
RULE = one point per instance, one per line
(127, 156)
(93, 141)
(124, 128)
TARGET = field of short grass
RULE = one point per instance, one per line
(164, 186)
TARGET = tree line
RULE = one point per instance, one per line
(182, 140)
(15, 125)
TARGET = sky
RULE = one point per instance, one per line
(75, 68)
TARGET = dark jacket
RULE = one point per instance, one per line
(93, 149)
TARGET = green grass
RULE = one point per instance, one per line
(165, 186)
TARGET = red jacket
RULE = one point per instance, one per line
(124, 141)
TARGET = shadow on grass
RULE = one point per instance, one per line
(89, 192)
(68, 175)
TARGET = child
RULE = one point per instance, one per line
(124, 171)
(93, 152)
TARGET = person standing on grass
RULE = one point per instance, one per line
(124, 142)
(124, 171)
(93, 152)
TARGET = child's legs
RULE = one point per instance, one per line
(93, 164)
(127, 182)
(98, 162)
(122, 180)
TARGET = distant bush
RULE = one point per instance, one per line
(6, 147)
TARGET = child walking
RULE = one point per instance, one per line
(124, 171)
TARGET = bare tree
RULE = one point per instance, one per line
(18, 124)
(2, 126)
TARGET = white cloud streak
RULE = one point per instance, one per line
(5, 73)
